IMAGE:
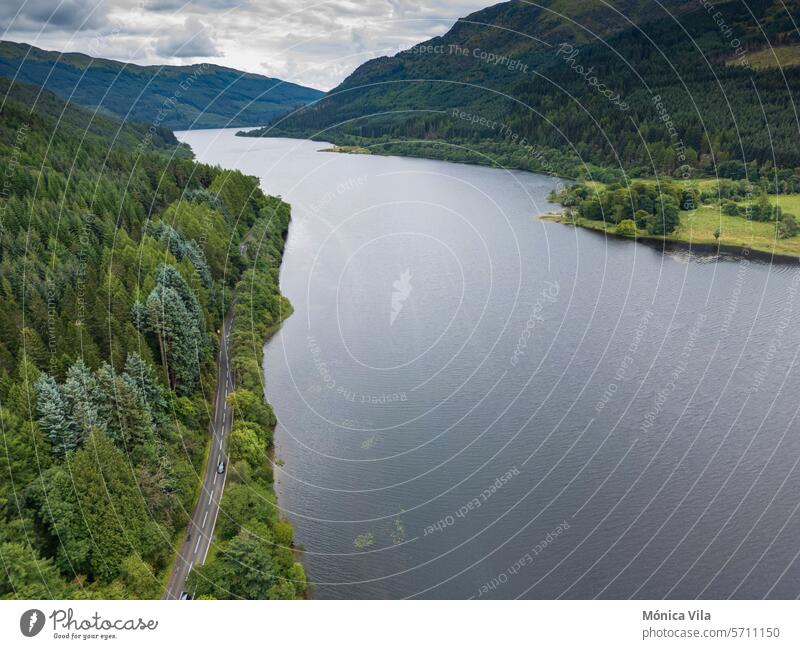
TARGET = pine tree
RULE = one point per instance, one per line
(24, 453)
(175, 316)
(140, 375)
(181, 247)
(129, 422)
(168, 276)
(83, 397)
(27, 575)
(34, 348)
(53, 418)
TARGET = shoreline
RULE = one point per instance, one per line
(484, 161)
(668, 244)
(663, 244)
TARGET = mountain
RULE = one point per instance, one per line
(176, 97)
(577, 89)
(119, 256)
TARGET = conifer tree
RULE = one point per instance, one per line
(128, 419)
(140, 375)
(53, 419)
(176, 329)
(83, 396)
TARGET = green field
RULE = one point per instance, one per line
(347, 149)
(789, 203)
(698, 227)
(776, 57)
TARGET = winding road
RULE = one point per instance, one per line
(200, 530)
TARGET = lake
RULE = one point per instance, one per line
(475, 403)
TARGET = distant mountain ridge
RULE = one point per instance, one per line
(177, 97)
(519, 29)
(580, 80)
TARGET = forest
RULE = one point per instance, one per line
(119, 257)
(690, 103)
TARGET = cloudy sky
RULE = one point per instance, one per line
(313, 43)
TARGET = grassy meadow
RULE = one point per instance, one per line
(698, 227)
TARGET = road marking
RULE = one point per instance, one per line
(218, 431)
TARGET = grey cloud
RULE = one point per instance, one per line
(191, 41)
(189, 5)
(46, 15)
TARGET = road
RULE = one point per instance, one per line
(200, 530)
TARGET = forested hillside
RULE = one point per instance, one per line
(119, 256)
(179, 97)
(584, 94)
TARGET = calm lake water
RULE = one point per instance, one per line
(474, 403)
